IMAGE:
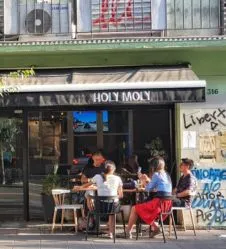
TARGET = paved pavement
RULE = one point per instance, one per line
(41, 238)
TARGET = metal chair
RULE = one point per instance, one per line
(163, 213)
(188, 208)
(171, 217)
(182, 209)
(105, 205)
(59, 197)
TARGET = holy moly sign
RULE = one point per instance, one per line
(122, 97)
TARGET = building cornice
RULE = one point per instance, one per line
(159, 42)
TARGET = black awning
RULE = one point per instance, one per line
(106, 87)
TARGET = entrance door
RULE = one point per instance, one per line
(11, 168)
(153, 135)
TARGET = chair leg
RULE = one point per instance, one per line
(114, 228)
(192, 220)
(54, 219)
(62, 218)
(174, 226)
(170, 224)
(75, 220)
(162, 225)
(123, 222)
(182, 212)
(97, 224)
(137, 227)
(87, 225)
(83, 212)
(150, 231)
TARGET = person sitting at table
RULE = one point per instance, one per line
(187, 185)
(150, 210)
(132, 164)
(94, 167)
(107, 184)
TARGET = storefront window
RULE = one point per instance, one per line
(11, 168)
(47, 149)
(117, 121)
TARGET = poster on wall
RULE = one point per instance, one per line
(189, 139)
(212, 147)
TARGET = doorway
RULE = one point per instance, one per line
(11, 167)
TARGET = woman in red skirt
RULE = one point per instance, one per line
(160, 183)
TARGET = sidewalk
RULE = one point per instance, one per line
(32, 237)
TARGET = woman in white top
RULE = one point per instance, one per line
(108, 184)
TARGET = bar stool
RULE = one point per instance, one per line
(59, 197)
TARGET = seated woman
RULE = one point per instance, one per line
(150, 210)
(107, 184)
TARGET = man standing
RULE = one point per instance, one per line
(187, 185)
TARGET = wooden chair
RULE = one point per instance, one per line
(59, 197)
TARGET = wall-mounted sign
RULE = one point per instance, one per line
(110, 97)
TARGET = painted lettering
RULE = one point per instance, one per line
(214, 119)
(126, 96)
(210, 203)
(186, 123)
(116, 12)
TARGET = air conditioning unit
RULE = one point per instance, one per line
(38, 19)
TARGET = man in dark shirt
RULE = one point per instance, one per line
(187, 185)
(94, 167)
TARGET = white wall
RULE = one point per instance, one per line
(203, 139)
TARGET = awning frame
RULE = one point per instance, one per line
(106, 86)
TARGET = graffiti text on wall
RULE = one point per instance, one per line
(117, 12)
(214, 119)
(210, 203)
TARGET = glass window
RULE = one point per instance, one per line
(116, 147)
(117, 121)
(84, 145)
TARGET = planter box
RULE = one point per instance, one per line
(48, 207)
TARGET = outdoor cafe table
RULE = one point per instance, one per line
(138, 193)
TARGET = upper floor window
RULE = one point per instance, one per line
(120, 15)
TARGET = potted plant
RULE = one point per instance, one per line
(50, 182)
(155, 148)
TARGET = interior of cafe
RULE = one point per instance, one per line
(62, 142)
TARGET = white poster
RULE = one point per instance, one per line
(189, 139)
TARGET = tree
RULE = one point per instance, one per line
(10, 128)
(23, 74)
